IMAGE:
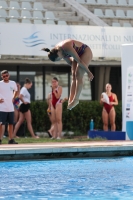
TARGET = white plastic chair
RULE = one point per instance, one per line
(112, 2)
(120, 13)
(122, 2)
(130, 14)
(98, 12)
(91, 2)
(14, 14)
(14, 5)
(127, 24)
(130, 2)
(81, 1)
(26, 6)
(3, 5)
(50, 21)
(27, 21)
(26, 14)
(109, 13)
(2, 20)
(13, 20)
(101, 2)
(38, 21)
(3, 13)
(61, 22)
(37, 14)
(116, 24)
(50, 15)
(38, 6)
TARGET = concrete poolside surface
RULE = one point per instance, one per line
(54, 150)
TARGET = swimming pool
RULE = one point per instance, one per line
(73, 179)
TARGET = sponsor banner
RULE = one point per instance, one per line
(127, 90)
(29, 39)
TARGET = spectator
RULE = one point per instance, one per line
(56, 108)
(24, 109)
(108, 100)
(8, 91)
(16, 104)
(52, 130)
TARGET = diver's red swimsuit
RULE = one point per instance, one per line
(54, 99)
(107, 106)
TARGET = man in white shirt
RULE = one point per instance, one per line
(8, 91)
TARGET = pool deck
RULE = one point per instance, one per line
(65, 150)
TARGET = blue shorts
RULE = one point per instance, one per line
(6, 117)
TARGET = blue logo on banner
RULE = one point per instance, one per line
(33, 40)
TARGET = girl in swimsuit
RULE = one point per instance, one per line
(56, 108)
(16, 104)
(108, 113)
(78, 56)
(52, 129)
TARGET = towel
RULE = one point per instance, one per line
(105, 98)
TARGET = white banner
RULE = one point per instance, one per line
(127, 90)
(29, 39)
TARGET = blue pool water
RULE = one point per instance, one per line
(73, 179)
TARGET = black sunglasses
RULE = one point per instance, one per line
(5, 76)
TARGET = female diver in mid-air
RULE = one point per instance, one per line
(78, 56)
